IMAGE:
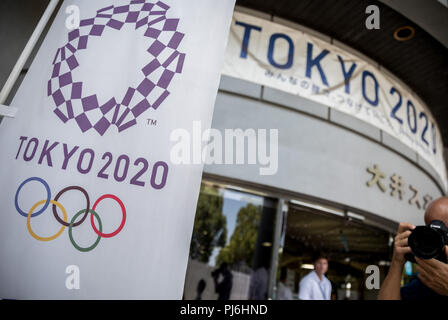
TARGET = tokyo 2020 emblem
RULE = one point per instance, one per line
(70, 96)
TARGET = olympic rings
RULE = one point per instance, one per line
(70, 228)
(16, 201)
(55, 212)
(64, 222)
(28, 221)
(123, 210)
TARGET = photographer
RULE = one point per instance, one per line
(432, 280)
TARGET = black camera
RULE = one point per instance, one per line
(428, 242)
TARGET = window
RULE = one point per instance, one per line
(230, 249)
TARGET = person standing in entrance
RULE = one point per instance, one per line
(315, 285)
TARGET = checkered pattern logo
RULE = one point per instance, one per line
(67, 93)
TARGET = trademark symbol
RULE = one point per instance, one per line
(151, 122)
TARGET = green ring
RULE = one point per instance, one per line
(71, 226)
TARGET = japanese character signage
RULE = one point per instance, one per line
(395, 185)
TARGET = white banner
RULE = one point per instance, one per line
(92, 206)
(287, 59)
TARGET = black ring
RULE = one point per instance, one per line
(55, 212)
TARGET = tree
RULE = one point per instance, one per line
(241, 246)
(209, 229)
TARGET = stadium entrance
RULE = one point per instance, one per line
(349, 243)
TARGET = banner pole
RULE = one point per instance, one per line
(6, 90)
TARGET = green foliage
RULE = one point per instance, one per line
(242, 242)
(209, 226)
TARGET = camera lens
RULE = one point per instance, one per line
(425, 243)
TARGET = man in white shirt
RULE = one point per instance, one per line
(315, 286)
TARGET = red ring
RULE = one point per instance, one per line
(123, 210)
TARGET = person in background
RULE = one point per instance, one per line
(283, 291)
(258, 288)
(200, 289)
(315, 285)
(224, 287)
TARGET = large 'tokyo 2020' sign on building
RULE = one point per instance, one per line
(293, 61)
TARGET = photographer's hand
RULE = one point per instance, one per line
(401, 246)
(390, 290)
(434, 274)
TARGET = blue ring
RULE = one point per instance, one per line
(46, 203)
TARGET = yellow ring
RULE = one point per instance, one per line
(397, 37)
(28, 221)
